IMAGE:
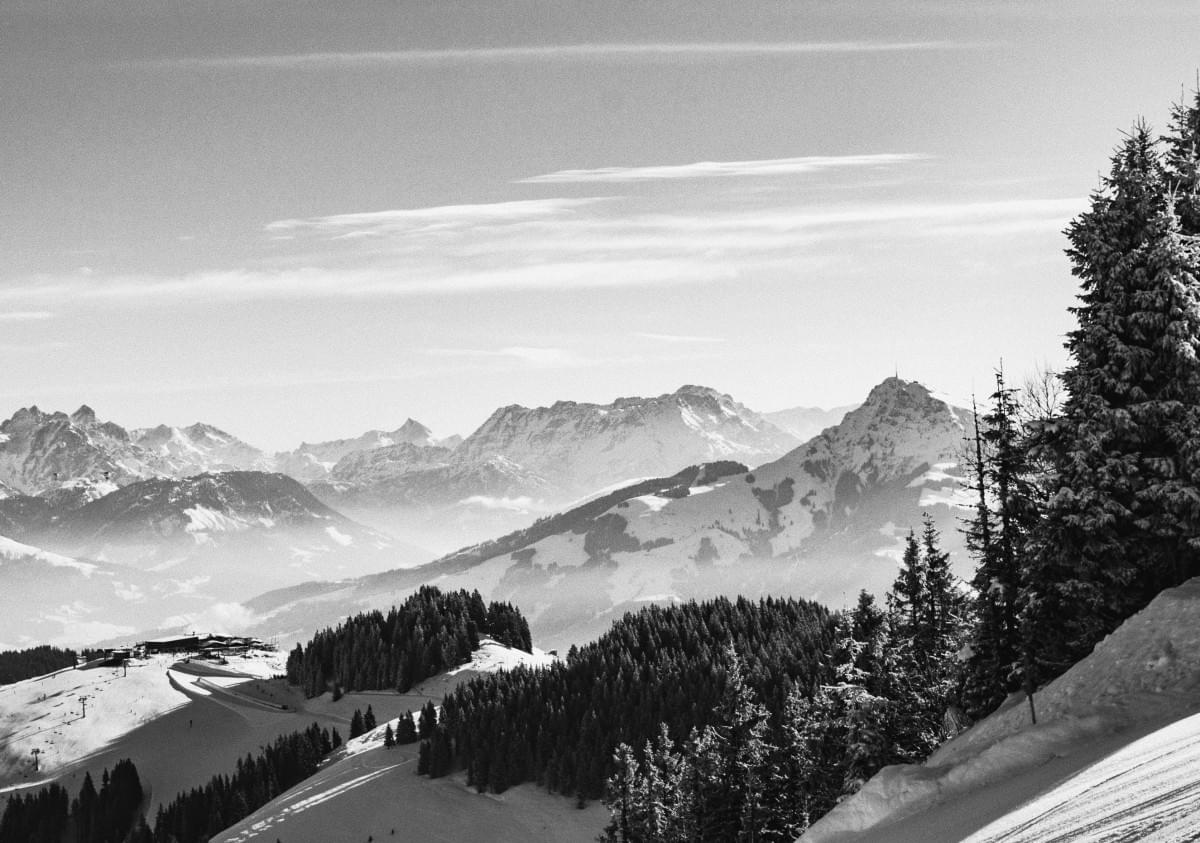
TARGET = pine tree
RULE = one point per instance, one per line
(1009, 511)
(907, 599)
(622, 798)
(389, 738)
(369, 722)
(1123, 517)
(356, 724)
(1182, 162)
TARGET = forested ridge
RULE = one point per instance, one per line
(557, 726)
(16, 665)
(428, 633)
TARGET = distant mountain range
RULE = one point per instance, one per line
(524, 462)
(196, 510)
(439, 493)
(823, 521)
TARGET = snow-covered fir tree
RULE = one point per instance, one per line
(1123, 517)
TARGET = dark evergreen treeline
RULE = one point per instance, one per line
(16, 665)
(558, 726)
(428, 633)
(197, 815)
(93, 816)
(764, 772)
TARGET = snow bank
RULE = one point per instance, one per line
(493, 656)
(1147, 671)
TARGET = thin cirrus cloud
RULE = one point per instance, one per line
(543, 53)
(26, 316)
(724, 169)
(557, 246)
(538, 357)
(373, 223)
(678, 338)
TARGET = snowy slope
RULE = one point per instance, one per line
(47, 713)
(1113, 756)
(369, 791)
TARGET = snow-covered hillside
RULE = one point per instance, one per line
(72, 713)
(368, 791)
(1115, 753)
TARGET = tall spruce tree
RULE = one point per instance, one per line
(907, 599)
(1182, 162)
(1123, 517)
(998, 535)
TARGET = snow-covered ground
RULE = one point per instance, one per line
(370, 791)
(1115, 754)
(1150, 790)
(47, 713)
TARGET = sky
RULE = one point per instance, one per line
(301, 220)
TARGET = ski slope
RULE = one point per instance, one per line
(1148, 791)
(370, 791)
(1115, 754)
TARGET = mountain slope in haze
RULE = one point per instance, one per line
(821, 522)
(198, 449)
(1113, 755)
(525, 462)
(214, 537)
(312, 462)
(806, 422)
(49, 598)
(579, 448)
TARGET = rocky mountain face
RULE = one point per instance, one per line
(40, 450)
(823, 521)
(313, 462)
(43, 453)
(580, 448)
(200, 448)
(525, 462)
